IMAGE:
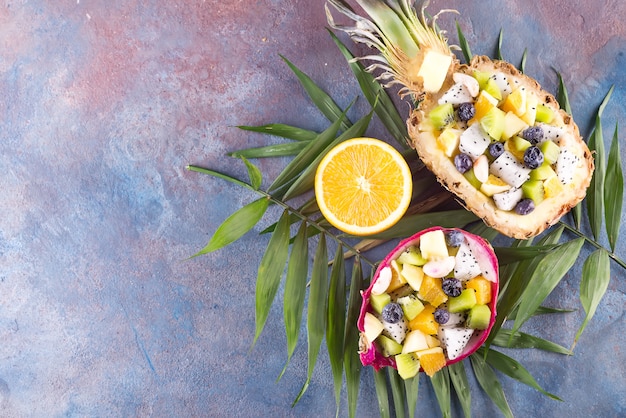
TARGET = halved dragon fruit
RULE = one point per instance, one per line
(452, 325)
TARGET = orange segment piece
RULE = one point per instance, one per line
(482, 287)
(431, 291)
(425, 321)
(363, 186)
(432, 363)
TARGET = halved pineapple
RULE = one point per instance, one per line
(415, 54)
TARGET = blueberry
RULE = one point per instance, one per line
(452, 287)
(463, 162)
(524, 207)
(533, 157)
(466, 111)
(496, 149)
(454, 238)
(441, 316)
(392, 313)
(533, 134)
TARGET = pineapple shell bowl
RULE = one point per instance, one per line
(431, 302)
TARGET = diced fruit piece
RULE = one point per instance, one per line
(425, 321)
(509, 169)
(483, 104)
(542, 172)
(517, 146)
(440, 267)
(512, 125)
(550, 151)
(482, 77)
(470, 83)
(378, 302)
(515, 102)
(551, 132)
(388, 346)
(494, 185)
(442, 116)
(431, 360)
(454, 340)
(456, 95)
(566, 164)
(432, 341)
(415, 341)
(448, 140)
(372, 327)
(434, 69)
(544, 113)
(492, 87)
(552, 186)
(509, 199)
(471, 178)
(474, 141)
(408, 365)
(493, 123)
(382, 283)
(431, 291)
(466, 266)
(412, 255)
(463, 302)
(397, 280)
(413, 275)
(400, 292)
(396, 331)
(455, 320)
(533, 189)
(503, 83)
(481, 168)
(482, 287)
(433, 245)
(411, 306)
(531, 109)
(479, 317)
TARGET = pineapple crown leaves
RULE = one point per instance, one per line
(332, 305)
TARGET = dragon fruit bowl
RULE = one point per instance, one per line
(431, 302)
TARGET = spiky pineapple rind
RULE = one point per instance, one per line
(506, 222)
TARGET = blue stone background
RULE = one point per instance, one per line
(103, 104)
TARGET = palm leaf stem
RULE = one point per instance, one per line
(595, 243)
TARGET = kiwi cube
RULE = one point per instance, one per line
(408, 365)
(412, 255)
(533, 189)
(471, 177)
(479, 317)
(542, 172)
(388, 346)
(465, 301)
(411, 306)
(378, 302)
(442, 116)
(550, 151)
(544, 113)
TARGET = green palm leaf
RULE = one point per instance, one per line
(441, 385)
(458, 377)
(489, 382)
(276, 150)
(352, 362)
(335, 320)
(283, 131)
(613, 191)
(382, 394)
(397, 391)
(411, 388)
(507, 338)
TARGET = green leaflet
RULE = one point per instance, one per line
(411, 388)
(282, 131)
(595, 281)
(514, 369)
(441, 385)
(499, 46)
(377, 96)
(305, 157)
(382, 395)
(522, 64)
(465, 48)
(613, 191)
(509, 255)
(295, 287)
(506, 338)
(254, 174)
(306, 180)
(544, 278)
(270, 271)
(316, 312)
(321, 99)
(236, 225)
(397, 391)
(410, 224)
(335, 321)
(595, 195)
(489, 382)
(276, 150)
(458, 377)
(352, 362)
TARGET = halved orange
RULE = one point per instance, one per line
(363, 186)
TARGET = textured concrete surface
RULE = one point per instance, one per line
(103, 104)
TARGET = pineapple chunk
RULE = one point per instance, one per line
(434, 69)
(448, 140)
(512, 125)
(433, 245)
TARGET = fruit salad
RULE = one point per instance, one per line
(431, 302)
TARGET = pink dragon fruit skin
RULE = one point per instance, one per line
(483, 251)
